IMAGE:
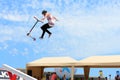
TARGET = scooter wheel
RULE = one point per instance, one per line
(34, 39)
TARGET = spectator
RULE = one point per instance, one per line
(48, 76)
(54, 76)
(64, 77)
(110, 77)
(117, 77)
(99, 78)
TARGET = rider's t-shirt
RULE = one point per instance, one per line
(51, 20)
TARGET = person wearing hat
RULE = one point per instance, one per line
(51, 21)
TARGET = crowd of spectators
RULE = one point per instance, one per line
(53, 76)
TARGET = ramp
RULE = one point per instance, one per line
(17, 72)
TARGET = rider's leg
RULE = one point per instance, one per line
(44, 29)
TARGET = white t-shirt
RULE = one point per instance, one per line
(51, 20)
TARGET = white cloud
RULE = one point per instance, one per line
(4, 46)
(25, 51)
(80, 31)
(14, 16)
(4, 33)
(15, 34)
(14, 52)
(33, 4)
(47, 5)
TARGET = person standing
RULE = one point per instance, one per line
(53, 76)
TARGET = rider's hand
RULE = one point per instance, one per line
(35, 17)
(41, 21)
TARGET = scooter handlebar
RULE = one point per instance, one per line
(37, 19)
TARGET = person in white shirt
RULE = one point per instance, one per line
(51, 21)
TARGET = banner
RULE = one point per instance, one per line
(3, 74)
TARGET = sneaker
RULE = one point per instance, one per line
(50, 35)
(40, 37)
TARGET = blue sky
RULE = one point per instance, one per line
(85, 28)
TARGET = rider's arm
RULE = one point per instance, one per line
(55, 18)
(43, 18)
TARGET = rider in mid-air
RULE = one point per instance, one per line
(51, 21)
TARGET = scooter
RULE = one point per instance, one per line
(28, 34)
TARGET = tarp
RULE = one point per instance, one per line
(87, 63)
(100, 61)
(53, 61)
(95, 61)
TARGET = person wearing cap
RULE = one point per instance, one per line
(51, 21)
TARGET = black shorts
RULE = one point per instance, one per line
(45, 26)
